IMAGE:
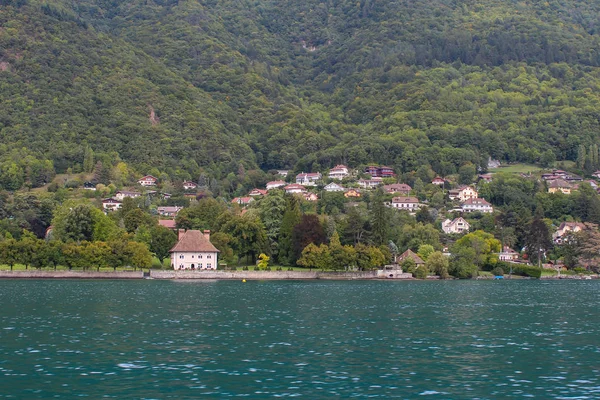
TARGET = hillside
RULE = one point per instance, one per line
(186, 87)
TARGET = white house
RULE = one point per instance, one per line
(257, 192)
(406, 203)
(310, 196)
(463, 193)
(111, 204)
(283, 172)
(566, 228)
(477, 204)
(121, 194)
(169, 211)
(275, 184)
(458, 225)
(339, 172)
(334, 187)
(189, 185)
(308, 178)
(438, 181)
(148, 180)
(243, 201)
(401, 188)
(194, 251)
(507, 254)
(295, 188)
(370, 183)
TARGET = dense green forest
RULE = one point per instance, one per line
(186, 88)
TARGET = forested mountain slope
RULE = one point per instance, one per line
(293, 84)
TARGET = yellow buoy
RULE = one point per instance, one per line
(243, 280)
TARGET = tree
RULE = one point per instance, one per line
(461, 264)
(9, 252)
(425, 250)
(537, 239)
(438, 263)
(310, 256)
(203, 215)
(263, 261)
(466, 174)
(161, 241)
(341, 256)
(379, 219)
(291, 217)
(248, 234)
(588, 240)
(139, 255)
(88, 159)
(308, 230)
(272, 209)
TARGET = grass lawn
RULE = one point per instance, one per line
(517, 169)
(21, 267)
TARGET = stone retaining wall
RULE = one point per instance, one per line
(261, 275)
(34, 274)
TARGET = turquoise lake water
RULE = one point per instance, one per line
(307, 339)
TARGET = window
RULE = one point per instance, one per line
(192, 256)
(200, 256)
(199, 266)
(181, 256)
(209, 256)
(209, 266)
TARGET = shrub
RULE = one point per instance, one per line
(497, 271)
(244, 268)
(527, 270)
(420, 272)
(256, 268)
(279, 269)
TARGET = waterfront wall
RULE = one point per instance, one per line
(34, 274)
(261, 275)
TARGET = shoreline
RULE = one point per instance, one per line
(241, 275)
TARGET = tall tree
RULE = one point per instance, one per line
(379, 216)
(291, 217)
(308, 230)
(537, 239)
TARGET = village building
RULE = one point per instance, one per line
(310, 196)
(308, 178)
(559, 185)
(380, 171)
(168, 211)
(166, 196)
(243, 201)
(592, 183)
(148, 180)
(167, 223)
(400, 188)
(463, 193)
(194, 251)
(283, 172)
(334, 187)
(121, 194)
(565, 229)
(257, 192)
(596, 174)
(438, 181)
(111, 204)
(484, 177)
(508, 255)
(294, 188)
(352, 193)
(406, 203)
(339, 172)
(409, 254)
(370, 183)
(457, 225)
(89, 185)
(189, 185)
(477, 205)
(275, 184)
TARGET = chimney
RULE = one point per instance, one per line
(180, 233)
(207, 234)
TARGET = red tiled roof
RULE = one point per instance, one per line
(405, 200)
(193, 240)
(167, 223)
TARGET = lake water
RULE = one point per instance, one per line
(308, 339)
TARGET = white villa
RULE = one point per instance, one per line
(194, 251)
(370, 183)
(294, 188)
(111, 204)
(458, 225)
(275, 184)
(463, 193)
(308, 178)
(406, 203)
(121, 194)
(148, 180)
(188, 185)
(339, 172)
(472, 205)
(334, 187)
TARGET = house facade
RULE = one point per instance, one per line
(121, 194)
(477, 204)
(189, 185)
(339, 172)
(334, 187)
(406, 203)
(308, 178)
(559, 185)
(400, 188)
(148, 180)
(169, 211)
(457, 225)
(352, 193)
(438, 181)
(295, 188)
(243, 201)
(508, 255)
(380, 171)
(370, 183)
(194, 251)
(310, 196)
(257, 192)
(566, 228)
(463, 193)
(111, 204)
(275, 184)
